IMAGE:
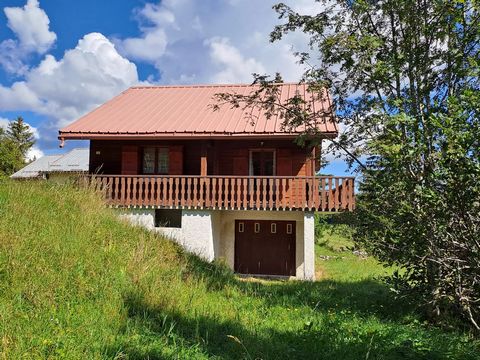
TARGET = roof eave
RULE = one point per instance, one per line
(182, 136)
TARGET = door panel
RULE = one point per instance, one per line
(265, 250)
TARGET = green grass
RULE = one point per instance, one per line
(336, 260)
(75, 283)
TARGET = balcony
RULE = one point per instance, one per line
(324, 193)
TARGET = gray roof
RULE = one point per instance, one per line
(74, 161)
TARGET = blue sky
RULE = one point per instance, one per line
(61, 58)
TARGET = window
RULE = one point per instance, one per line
(162, 161)
(170, 218)
(257, 228)
(155, 160)
(149, 160)
(241, 227)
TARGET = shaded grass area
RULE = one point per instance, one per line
(77, 283)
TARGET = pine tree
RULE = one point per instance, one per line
(21, 135)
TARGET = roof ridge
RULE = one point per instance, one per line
(205, 85)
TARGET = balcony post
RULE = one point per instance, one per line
(203, 159)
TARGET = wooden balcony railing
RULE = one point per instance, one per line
(228, 192)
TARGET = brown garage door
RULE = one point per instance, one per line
(265, 247)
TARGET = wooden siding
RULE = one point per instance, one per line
(115, 157)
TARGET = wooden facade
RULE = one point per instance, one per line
(224, 174)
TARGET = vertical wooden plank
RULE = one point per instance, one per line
(244, 204)
(164, 192)
(323, 193)
(123, 189)
(188, 192)
(171, 191)
(293, 193)
(135, 191)
(207, 192)
(146, 196)
(203, 159)
(158, 194)
(214, 203)
(220, 193)
(182, 194)
(257, 193)
(227, 193)
(235, 194)
(331, 200)
(284, 193)
(195, 192)
(127, 203)
(271, 192)
(277, 193)
(251, 191)
(264, 191)
(352, 194)
(338, 189)
(316, 194)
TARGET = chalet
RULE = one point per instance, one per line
(220, 184)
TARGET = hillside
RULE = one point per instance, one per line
(76, 283)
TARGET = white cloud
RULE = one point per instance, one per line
(235, 67)
(65, 89)
(151, 45)
(34, 153)
(4, 123)
(31, 26)
(205, 42)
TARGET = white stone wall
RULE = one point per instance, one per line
(211, 233)
(309, 245)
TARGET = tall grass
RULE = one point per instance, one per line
(76, 283)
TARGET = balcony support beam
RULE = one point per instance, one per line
(203, 159)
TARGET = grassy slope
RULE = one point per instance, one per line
(76, 283)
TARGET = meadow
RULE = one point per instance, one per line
(77, 283)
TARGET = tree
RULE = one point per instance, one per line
(21, 134)
(405, 81)
(14, 145)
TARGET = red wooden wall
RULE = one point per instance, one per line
(225, 157)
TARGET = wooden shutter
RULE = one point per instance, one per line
(240, 162)
(129, 160)
(175, 160)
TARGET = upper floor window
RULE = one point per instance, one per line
(155, 160)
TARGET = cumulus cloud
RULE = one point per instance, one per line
(31, 26)
(188, 44)
(151, 45)
(65, 89)
(236, 68)
(34, 153)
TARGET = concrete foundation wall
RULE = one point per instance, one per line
(211, 233)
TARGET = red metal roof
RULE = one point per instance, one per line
(185, 111)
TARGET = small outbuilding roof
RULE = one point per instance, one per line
(74, 161)
(186, 111)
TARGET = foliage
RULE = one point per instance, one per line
(405, 81)
(14, 145)
(77, 283)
